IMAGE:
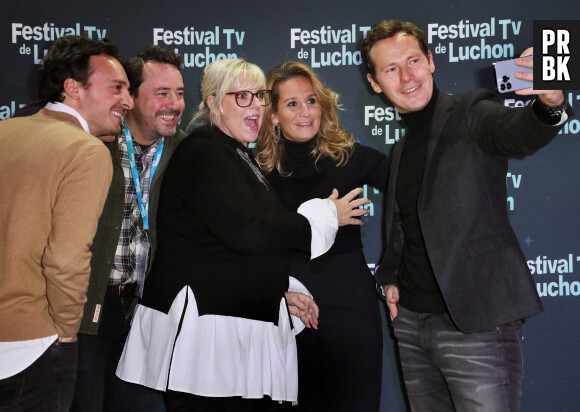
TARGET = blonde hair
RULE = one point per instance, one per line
(219, 78)
(332, 140)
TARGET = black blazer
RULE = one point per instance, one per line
(478, 264)
(222, 231)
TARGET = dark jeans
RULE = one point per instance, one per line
(46, 385)
(98, 388)
(445, 369)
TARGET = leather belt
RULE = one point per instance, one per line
(124, 291)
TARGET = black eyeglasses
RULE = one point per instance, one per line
(244, 98)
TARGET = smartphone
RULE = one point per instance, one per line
(505, 75)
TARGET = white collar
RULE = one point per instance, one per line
(61, 107)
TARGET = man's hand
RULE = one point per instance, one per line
(304, 307)
(392, 297)
(550, 98)
(347, 207)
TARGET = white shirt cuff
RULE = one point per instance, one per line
(321, 213)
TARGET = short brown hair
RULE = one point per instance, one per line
(384, 30)
(70, 57)
(158, 54)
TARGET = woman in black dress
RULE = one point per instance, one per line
(213, 328)
(305, 153)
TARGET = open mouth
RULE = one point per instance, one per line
(119, 114)
(169, 116)
(411, 90)
(252, 122)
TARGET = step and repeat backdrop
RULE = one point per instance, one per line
(465, 39)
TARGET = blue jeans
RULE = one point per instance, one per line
(447, 370)
(98, 388)
(46, 385)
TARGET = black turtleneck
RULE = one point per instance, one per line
(315, 179)
(418, 288)
(299, 160)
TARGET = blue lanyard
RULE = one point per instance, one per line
(144, 209)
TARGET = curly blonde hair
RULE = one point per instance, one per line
(332, 140)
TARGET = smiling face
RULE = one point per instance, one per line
(106, 99)
(298, 112)
(241, 123)
(159, 103)
(403, 72)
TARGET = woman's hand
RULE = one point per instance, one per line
(347, 207)
(304, 307)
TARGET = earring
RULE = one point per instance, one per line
(276, 133)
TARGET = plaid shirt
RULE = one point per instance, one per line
(132, 236)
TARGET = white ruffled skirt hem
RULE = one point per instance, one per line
(214, 356)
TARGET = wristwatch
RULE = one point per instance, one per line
(556, 111)
(552, 115)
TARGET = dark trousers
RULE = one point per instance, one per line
(46, 385)
(340, 363)
(98, 388)
(447, 370)
(185, 402)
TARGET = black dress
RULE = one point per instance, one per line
(339, 365)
